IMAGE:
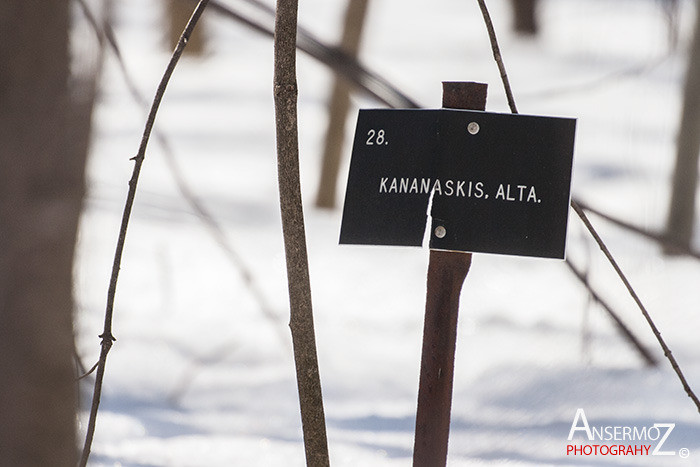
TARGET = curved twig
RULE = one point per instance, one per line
(90, 371)
(598, 82)
(497, 55)
(621, 326)
(106, 336)
(217, 232)
(638, 301)
(582, 215)
(659, 238)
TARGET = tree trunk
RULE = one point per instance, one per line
(301, 320)
(525, 16)
(42, 157)
(671, 8)
(179, 12)
(339, 106)
(681, 215)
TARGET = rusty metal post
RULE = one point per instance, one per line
(447, 271)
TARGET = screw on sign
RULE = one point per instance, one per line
(495, 183)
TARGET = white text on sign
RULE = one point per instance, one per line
(457, 188)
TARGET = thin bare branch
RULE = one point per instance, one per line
(637, 300)
(621, 326)
(662, 239)
(89, 372)
(337, 60)
(219, 235)
(615, 77)
(582, 215)
(106, 336)
(497, 55)
(301, 315)
(214, 228)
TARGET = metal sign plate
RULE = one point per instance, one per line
(499, 183)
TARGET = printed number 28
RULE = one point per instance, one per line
(376, 137)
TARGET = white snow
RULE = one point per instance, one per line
(200, 376)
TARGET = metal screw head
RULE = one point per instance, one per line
(440, 231)
(473, 128)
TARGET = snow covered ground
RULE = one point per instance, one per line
(201, 376)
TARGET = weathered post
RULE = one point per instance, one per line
(447, 271)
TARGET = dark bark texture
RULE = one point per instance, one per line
(301, 314)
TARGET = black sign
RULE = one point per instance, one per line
(496, 183)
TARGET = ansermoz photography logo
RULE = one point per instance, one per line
(619, 440)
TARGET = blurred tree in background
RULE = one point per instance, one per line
(681, 217)
(525, 16)
(44, 127)
(339, 106)
(178, 14)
